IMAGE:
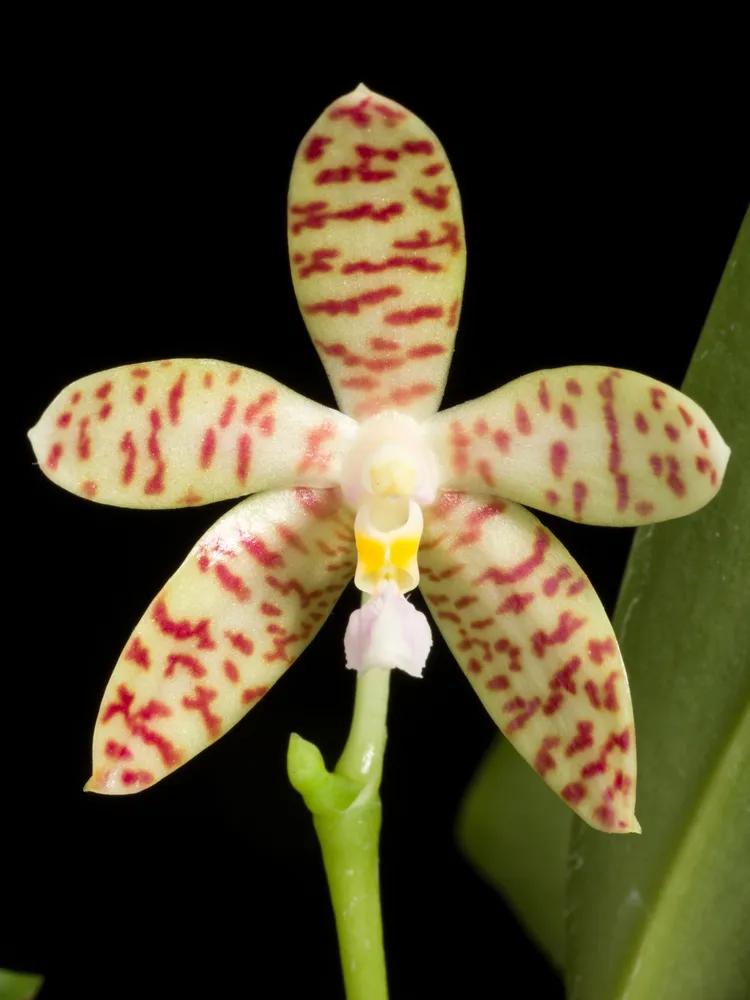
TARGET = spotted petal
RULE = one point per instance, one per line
(535, 642)
(245, 603)
(377, 253)
(183, 432)
(599, 445)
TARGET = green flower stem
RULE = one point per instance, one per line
(347, 813)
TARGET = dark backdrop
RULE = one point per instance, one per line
(600, 208)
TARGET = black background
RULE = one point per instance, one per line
(600, 206)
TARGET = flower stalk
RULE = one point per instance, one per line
(347, 812)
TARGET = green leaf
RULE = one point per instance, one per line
(515, 831)
(667, 914)
(19, 985)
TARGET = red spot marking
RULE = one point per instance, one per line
(610, 697)
(641, 424)
(522, 569)
(105, 411)
(258, 549)
(577, 587)
(520, 720)
(280, 641)
(351, 306)
(552, 498)
(605, 814)
(702, 464)
(438, 199)
(408, 317)
(657, 396)
(244, 456)
(418, 146)
(202, 703)
(270, 609)
(453, 314)
(553, 703)
(438, 599)
(502, 440)
(481, 623)
(356, 113)
(240, 642)
(316, 218)
(498, 683)
(643, 508)
(64, 419)
(318, 261)
(231, 582)
(127, 447)
(230, 671)
(312, 454)
(592, 690)
(266, 425)
(623, 494)
(208, 380)
(671, 431)
(580, 492)
(156, 483)
(685, 416)
(322, 504)
(656, 465)
(290, 537)
(474, 666)
(566, 626)
(184, 629)
(425, 351)
(568, 415)
(515, 603)
(421, 264)
(702, 434)
(54, 456)
(84, 441)
(558, 456)
(228, 412)
(138, 653)
(599, 766)
(104, 390)
(573, 792)
(544, 761)
(75, 398)
(140, 394)
(606, 390)
(391, 115)
(140, 372)
(250, 695)
(552, 584)
(573, 387)
(599, 648)
(543, 393)
(360, 383)
(474, 523)
(174, 398)
(191, 664)
(450, 616)
(674, 482)
(481, 427)
(434, 168)
(137, 778)
(402, 395)
(563, 678)
(523, 422)
(208, 448)
(117, 751)
(190, 498)
(459, 442)
(582, 740)
(423, 241)
(315, 147)
(485, 471)
(136, 723)
(466, 600)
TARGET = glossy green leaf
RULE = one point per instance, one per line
(19, 985)
(667, 914)
(515, 831)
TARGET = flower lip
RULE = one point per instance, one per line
(390, 457)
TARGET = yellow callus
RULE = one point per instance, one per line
(387, 553)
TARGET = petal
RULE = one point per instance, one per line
(592, 444)
(534, 640)
(241, 608)
(183, 432)
(377, 253)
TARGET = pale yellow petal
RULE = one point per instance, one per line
(185, 432)
(245, 603)
(535, 642)
(599, 445)
(377, 250)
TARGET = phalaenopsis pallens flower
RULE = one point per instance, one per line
(387, 491)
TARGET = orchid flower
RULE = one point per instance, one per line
(387, 491)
